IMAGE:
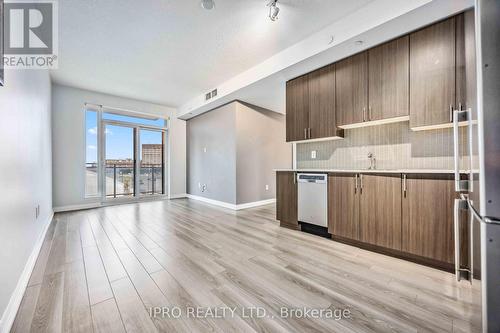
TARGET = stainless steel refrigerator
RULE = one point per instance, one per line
(479, 186)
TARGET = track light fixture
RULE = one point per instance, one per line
(207, 4)
(273, 10)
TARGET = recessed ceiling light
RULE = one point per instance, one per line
(208, 4)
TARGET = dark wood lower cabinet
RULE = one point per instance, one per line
(380, 210)
(407, 216)
(286, 199)
(428, 229)
(343, 207)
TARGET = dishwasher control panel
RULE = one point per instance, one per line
(311, 178)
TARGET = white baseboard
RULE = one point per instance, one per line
(229, 205)
(115, 202)
(70, 208)
(212, 202)
(255, 204)
(10, 312)
(178, 196)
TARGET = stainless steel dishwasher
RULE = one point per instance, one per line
(313, 198)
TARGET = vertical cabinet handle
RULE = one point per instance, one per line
(309, 132)
(364, 111)
(404, 186)
(305, 133)
(370, 112)
(360, 184)
(356, 183)
(451, 113)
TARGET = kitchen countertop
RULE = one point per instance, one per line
(421, 171)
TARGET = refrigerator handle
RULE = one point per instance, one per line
(456, 216)
(460, 186)
(460, 204)
(471, 158)
(471, 246)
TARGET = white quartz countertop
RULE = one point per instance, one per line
(369, 171)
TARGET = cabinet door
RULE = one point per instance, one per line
(286, 199)
(428, 217)
(351, 89)
(388, 84)
(466, 61)
(297, 108)
(322, 103)
(343, 201)
(380, 210)
(432, 74)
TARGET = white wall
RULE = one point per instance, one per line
(211, 154)
(68, 142)
(233, 151)
(25, 178)
(261, 147)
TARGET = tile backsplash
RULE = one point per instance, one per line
(394, 146)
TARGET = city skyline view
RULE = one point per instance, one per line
(118, 139)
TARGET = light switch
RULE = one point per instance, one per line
(267, 187)
(313, 154)
(204, 149)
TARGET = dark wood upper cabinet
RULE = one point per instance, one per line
(343, 206)
(297, 108)
(466, 61)
(380, 210)
(424, 75)
(286, 199)
(322, 121)
(351, 89)
(432, 74)
(428, 217)
(388, 83)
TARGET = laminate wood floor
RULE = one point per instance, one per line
(104, 270)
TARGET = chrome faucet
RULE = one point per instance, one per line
(373, 161)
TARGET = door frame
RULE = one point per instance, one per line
(101, 124)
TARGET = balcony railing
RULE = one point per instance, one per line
(151, 179)
(120, 179)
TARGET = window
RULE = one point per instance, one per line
(91, 172)
(132, 161)
(151, 121)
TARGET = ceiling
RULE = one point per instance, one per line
(376, 22)
(169, 51)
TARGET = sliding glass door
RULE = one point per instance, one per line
(126, 155)
(119, 162)
(152, 162)
(134, 161)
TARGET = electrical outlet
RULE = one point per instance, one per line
(37, 211)
(313, 154)
(267, 187)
